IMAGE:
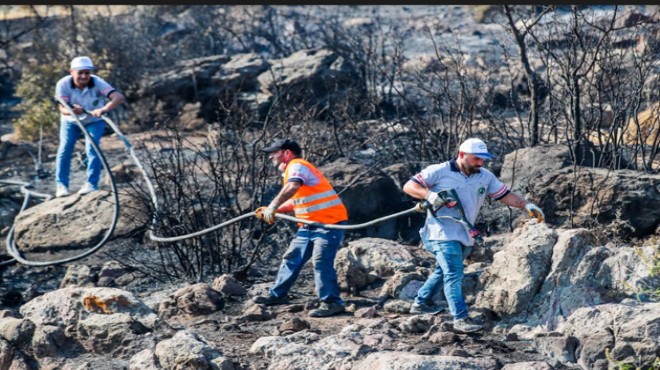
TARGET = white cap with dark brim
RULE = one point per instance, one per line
(477, 147)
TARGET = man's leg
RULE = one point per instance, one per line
(293, 261)
(424, 300)
(94, 167)
(69, 133)
(450, 259)
(326, 243)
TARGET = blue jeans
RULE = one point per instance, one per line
(69, 134)
(449, 272)
(321, 245)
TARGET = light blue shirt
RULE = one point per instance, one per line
(472, 191)
(93, 96)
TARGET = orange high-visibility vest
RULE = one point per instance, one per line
(318, 203)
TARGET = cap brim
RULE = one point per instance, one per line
(484, 156)
(270, 149)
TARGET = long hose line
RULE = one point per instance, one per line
(154, 200)
(12, 249)
(160, 239)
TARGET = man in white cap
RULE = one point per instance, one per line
(445, 237)
(82, 91)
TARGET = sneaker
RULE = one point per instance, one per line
(466, 325)
(62, 191)
(327, 309)
(270, 300)
(417, 309)
(87, 188)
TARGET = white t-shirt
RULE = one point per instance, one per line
(472, 191)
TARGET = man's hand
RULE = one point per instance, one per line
(267, 214)
(439, 200)
(97, 112)
(435, 199)
(535, 211)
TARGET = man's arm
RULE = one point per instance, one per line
(116, 98)
(415, 190)
(280, 203)
(514, 200)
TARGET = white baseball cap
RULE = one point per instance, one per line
(79, 63)
(477, 147)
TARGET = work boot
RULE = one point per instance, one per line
(417, 309)
(327, 309)
(87, 188)
(62, 191)
(270, 300)
(466, 325)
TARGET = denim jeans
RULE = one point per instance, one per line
(321, 245)
(69, 134)
(449, 273)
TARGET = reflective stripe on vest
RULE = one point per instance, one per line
(314, 197)
(319, 202)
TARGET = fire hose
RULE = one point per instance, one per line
(13, 251)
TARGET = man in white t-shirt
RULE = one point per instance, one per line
(443, 235)
(82, 91)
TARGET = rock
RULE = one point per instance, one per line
(187, 350)
(292, 326)
(561, 350)
(518, 271)
(309, 75)
(409, 361)
(623, 202)
(18, 332)
(227, 285)
(443, 338)
(196, 299)
(257, 312)
(144, 360)
(397, 306)
(366, 312)
(631, 330)
(352, 180)
(416, 324)
(114, 273)
(76, 221)
(79, 275)
(100, 320)
(536, 365)
(403, 285)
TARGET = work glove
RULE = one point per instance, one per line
(267, 214)
(438, 200)
(535, 211)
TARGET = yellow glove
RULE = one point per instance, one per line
(535, 211)
(266, 214)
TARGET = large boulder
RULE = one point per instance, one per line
(629, 330)
(354, 181)
(77, 221)
(308, 72)
(95, 320)
(518, 271)
(623, 202)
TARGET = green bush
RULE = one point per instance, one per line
(36, 90)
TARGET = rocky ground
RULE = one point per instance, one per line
(551, 296)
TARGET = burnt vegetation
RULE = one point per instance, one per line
(569, 76)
